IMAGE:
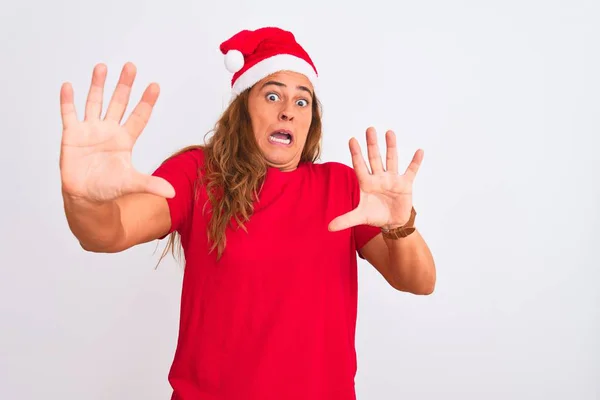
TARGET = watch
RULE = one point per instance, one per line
(401, 231)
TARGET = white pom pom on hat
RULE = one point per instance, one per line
(234, 61)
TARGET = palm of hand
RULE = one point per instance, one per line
(95, 158)
(385, 196)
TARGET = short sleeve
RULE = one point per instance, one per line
(182, 172)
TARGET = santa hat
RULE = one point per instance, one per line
(253, 55)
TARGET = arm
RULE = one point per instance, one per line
(386, 201)
(109, 205)
(117, 225)
(406, 263)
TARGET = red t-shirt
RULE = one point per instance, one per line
(275, 318)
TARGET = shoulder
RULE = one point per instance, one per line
(188, 159)
(182, 168)
(337, 172)
(192, 155)
(332, 168)
(340, 179)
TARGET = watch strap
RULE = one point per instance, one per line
(401, 231)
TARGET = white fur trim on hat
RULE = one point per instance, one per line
(268, 66)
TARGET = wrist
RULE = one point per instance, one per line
(390, 227)
(396, 231)
(83, 201)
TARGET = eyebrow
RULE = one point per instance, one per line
(300, 87)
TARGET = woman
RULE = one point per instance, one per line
(270, 237)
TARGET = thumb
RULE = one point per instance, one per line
(153, 185)
(348, 220)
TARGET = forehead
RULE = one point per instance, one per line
(289, 78)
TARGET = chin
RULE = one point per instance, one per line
(279, 158)
(279, 161)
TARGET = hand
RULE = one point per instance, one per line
(95, 154)
(385, 196)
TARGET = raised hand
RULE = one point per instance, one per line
(385, 196)
(95, 157)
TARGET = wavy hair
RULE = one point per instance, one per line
(234, 170)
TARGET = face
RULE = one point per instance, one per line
(280, 108)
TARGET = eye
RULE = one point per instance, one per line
(302, 103)
(272, 97)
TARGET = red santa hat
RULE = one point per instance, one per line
(253, 55)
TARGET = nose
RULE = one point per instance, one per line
(286, 113)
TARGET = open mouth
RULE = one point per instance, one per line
(282, 137)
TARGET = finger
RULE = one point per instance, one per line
(67, 106)
(358, 162)
(120, 98)
(373, 151)
(391, 157)
(93, 106)
(140, 115)
(348, 220)
(413, 167)
(153, 185)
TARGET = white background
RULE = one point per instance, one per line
(501, 95)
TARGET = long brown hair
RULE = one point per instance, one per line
(234, 170)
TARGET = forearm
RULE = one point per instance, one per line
(97, 226)
(411, 264)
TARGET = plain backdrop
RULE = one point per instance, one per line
(501, 95)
